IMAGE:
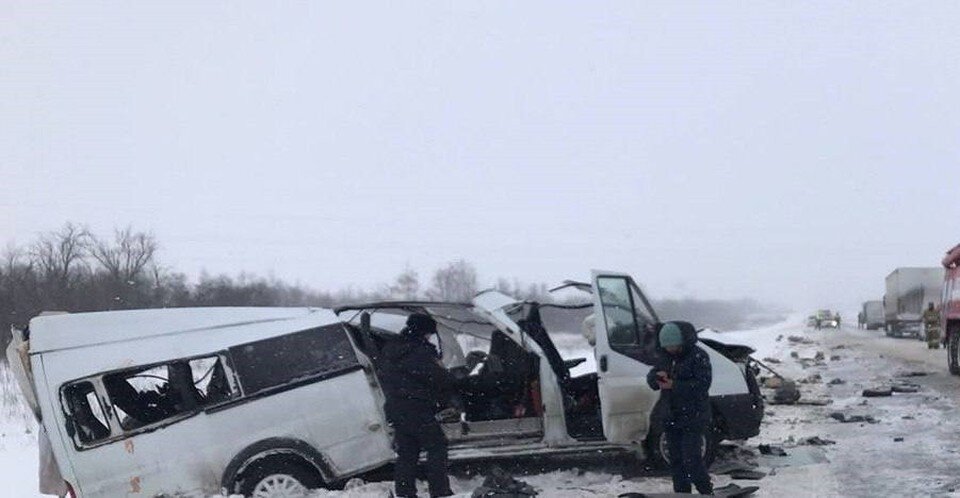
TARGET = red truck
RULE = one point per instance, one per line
(950, 309)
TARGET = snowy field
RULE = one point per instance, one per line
(913, 449)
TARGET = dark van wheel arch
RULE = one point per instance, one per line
(278, 476)
(281, 456)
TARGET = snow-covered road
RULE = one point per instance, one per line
(867, 459)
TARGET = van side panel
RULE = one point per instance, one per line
(336, 416)
(52, 420)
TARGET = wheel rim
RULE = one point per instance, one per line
(279, 486)
(665, 447)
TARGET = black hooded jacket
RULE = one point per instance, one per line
(688, 403)
(414, 382)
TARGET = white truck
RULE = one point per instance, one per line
(908, 292)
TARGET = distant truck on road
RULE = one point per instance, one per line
(908, 292)
(873, 317)
(950, 310)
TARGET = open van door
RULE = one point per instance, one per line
(625, 351)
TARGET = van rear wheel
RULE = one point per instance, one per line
(279, 479)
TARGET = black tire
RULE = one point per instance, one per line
(656, 445)
(953, 351)
(267, 468)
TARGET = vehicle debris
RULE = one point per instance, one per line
(836, 357)
(816, 441)
(905, 388)
(898, 440)
(812, 379)
(853, 419)
(913, 374)
(786, 394)
(799, 340)
(747, 475)
(877, 392)
(499, 484)
(769, 449)
(836, 382)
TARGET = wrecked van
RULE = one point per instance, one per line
(521, 395)
(269, 402)
(189, 402)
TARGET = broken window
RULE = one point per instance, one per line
(86, 413)
(153, 394)
(312, 354)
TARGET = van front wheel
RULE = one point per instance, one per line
(277, 479)
(658, 451)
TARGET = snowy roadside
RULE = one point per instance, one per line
(18, 441)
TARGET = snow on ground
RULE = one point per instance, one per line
(18, 441)
(867, 459)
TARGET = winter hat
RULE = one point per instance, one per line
(421, 323)
(670, 335)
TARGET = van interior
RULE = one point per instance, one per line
(498, 382)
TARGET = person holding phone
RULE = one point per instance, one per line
(683, 379)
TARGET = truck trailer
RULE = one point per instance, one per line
(873, 317)
(908, 292)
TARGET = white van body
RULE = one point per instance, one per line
(197, 453)
(193, 402)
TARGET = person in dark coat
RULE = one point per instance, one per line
(684, 382)
(416, 386)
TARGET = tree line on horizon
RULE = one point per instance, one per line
(75, 270)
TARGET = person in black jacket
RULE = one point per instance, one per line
(416, 386)
(684, 382)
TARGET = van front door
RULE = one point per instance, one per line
(625, 352)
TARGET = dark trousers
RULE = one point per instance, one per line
(686, 462)
(412, 437)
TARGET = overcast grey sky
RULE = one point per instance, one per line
(793, 152)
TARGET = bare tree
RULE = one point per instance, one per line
(124, 264)
(59, 254)
(455, 282)
(127, 257)
(406, 285)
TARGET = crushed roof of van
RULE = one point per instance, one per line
(55, 332)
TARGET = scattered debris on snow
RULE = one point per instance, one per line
(816, 441)
(853, 419)
(877, 392)
(768, 449)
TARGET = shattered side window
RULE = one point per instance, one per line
(86, 414)
(145, 396)
(210, 380)
(312, 354)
